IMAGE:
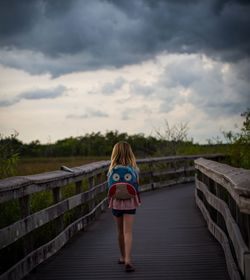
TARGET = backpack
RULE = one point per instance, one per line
(123, 182)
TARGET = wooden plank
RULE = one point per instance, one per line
(54, 181)
(22, 227)
(240, 246)
(170, 241)
(179, 180)
(221, 237)
(236, 178)
(227, 176)
(178, 158)
(173, 171)
(247, 266)
(145, 187)
(15, 187)
(36, 257)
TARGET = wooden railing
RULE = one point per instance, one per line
(68, 201)
(223, 196)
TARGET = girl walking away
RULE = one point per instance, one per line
(123, 182)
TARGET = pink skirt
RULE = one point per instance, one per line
(124, 204)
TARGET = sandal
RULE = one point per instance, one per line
(120, 262)
(129, 268)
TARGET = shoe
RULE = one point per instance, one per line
(129, 268)
(120, 262)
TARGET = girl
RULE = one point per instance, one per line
(124, 210)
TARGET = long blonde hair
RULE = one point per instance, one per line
(122, 154)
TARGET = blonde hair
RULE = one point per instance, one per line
(122, 154)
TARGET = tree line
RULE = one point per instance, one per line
(93, 144)
(172, 141)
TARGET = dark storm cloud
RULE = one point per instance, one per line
(96, 34)
(217, 90)
(35, 94)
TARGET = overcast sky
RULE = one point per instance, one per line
(70, 67)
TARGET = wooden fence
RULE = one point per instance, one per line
(223, 196)
(50, 208)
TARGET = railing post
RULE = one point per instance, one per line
(99, 178)
(78, 187)
(91, 184)
(151, 176)
(91, 181)
(78, 190)
(174, 165)
(216, 192)
(185, 168)
(226, 199)
(39, 232)
(246, 225)
(247, 266)
(57, 197)
(24, 203)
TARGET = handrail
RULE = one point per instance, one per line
(85, 203)
(223, 195)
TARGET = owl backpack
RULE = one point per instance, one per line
(123, 182)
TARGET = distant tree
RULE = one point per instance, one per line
(245, 130)
(172, 136)
(239, 150)
(9, 154)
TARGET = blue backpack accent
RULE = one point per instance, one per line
(123, 182)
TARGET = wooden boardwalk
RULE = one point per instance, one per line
(171, 241)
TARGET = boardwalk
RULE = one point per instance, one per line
(171, 241)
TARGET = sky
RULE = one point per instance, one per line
(71, 67)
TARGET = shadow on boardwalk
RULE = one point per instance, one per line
(171, 241)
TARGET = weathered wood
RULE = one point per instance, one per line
(179, 180)
(173, 171)
(15, 187)
(24, 186)
(22, 227)
(19, 186)
(178, 158)
(57, 197)
(24, 266)
(145, 187)
(57, 194)
(170, 241)
(221, 237)
(91, 181)
(17, 230)
(235, 180)
(151, 178)
(24, 203)
(247, 266)
(144, 174)
(219, 182)
(78, 186)
(246, 223)
(99, 178)
(240, 246)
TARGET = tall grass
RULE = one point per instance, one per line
(28, 166)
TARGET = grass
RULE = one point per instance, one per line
(29, 166)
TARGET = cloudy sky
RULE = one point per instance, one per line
(70, 67)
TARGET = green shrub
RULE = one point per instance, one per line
(9, 155)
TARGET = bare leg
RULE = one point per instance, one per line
(119, 224)
(128, 237)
